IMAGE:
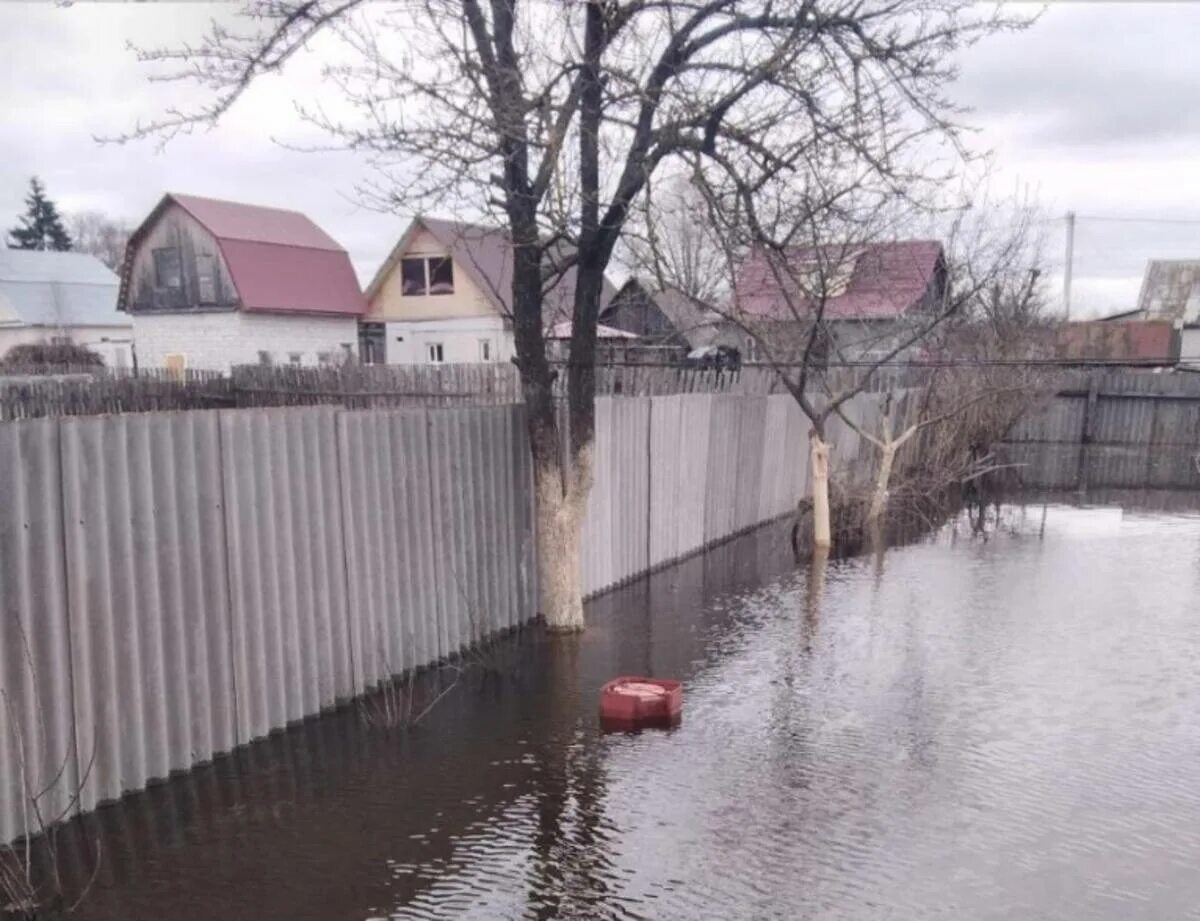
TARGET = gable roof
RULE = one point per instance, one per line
(279, 260)
(692, 321)
(1171, 290)
(49, 288)
(885, 281)
(485, 254)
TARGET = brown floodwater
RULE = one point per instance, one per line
(980, 725)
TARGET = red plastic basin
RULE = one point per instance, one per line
(634, 702)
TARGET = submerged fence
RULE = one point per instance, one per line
(173, 585)
(1115, 429)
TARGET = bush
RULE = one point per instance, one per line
(51, 355)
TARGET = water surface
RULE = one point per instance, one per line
(977, 726)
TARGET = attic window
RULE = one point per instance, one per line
(426, 275)
(412, 276)
(168, 272)
(441, 276)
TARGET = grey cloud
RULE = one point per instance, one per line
(1092, 75)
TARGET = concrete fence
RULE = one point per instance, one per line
(174, 585)
(1112, 429)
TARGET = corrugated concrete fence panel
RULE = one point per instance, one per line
(666, 478)
(415, 555)
(1123, 421)
(1177, 422)
(371, 522)
(720, 509)
(36, 721)
(799, 429)
(596, 555)
(286, 564)
(774, 494)
(1059, 419)
(473, 478)
(629, 466)
(148, 596)
(752, 417)
(695, 428)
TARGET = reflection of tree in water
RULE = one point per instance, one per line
(571, 872)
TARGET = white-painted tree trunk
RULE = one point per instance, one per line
(819, 467)
(559, 546)
(879, 497)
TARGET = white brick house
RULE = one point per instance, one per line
(212, 284)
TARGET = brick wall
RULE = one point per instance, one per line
(216, 341)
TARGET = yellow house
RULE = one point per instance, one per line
(443, 295)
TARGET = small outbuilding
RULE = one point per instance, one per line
(211, 284)
(49, 297)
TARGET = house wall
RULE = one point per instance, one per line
(408, 343)
(468, 299)
(218, 340)
(1189, 344)
(111, 343)
(176, 228)
(635, 311)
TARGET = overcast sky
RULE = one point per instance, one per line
(1095, 109)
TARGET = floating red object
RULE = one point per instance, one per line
(632, 702)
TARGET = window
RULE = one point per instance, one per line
(412, 277)
(206, 283)
(485, 349)
(422, 275)
(441, 276)
(295, 357)
(168, 273)
(435, 352)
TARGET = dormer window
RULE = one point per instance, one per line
(421, 275)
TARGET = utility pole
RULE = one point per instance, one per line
(1070, 263)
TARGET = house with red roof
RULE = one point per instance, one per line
(869, 297)
(444, 294)
(210, 284)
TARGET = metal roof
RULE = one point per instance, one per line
(279, 260)
(1171, 290)
(49, 288)
(885, 280)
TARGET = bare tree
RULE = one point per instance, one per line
(103, 237)
(553, 116)
(669, 240)
(829, 298)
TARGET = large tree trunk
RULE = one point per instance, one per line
(819, 475)
(560, 508)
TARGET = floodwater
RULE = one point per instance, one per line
(988, 725)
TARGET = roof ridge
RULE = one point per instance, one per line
(231, 201)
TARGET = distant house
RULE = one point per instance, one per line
(660, 317)
(873, 295)
(1118, 338)
(1171, 292)
(211, 284)
(444, 294)
(48, 296)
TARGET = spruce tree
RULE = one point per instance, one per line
(40, 227)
